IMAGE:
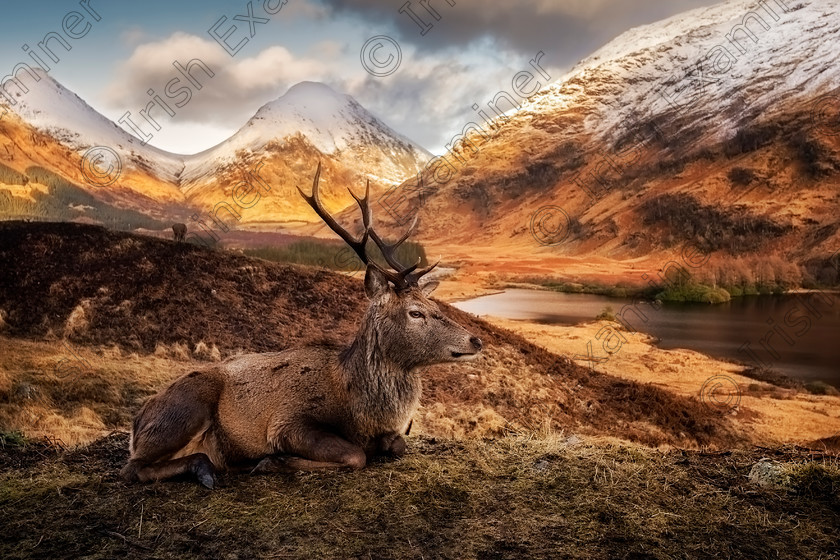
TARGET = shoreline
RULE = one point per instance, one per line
(773, 414)
(610, 291)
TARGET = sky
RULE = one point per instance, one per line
(419, 70)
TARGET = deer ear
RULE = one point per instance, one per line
(429, 287)
(376, 283)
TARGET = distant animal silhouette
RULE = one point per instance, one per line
(310, 408)
(180, 231)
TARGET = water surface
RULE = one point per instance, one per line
(801, 332)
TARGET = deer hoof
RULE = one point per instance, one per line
(204, 472)
(393, 445)
(207, 480)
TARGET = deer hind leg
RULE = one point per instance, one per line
(314, 450)
(198, 464)
(173, 435)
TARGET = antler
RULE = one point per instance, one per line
(402, 277)
(358, 245)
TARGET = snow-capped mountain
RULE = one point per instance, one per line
(287, 136)
(709, 115)
(732, 55)
(53, 128)
(57, 112)
(333, 123)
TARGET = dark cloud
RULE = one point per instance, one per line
(566, 30)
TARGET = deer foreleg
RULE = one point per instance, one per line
(314, 449)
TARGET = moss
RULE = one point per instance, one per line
(12, 439)
(694, 292)
(821, 480)
(820, 388)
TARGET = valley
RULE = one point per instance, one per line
(642, 247)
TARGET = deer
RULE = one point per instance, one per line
(314, 407)
(179, 231)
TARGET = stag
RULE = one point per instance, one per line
(179, 231)
(314, 407)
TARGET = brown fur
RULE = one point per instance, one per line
(307, 408)
(179, 231)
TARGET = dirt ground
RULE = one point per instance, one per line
(558, 497)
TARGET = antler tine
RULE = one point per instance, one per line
(389, 250)
(402, 277)
(416, 276)
(364, 205)
(398, 277)
(358, 245)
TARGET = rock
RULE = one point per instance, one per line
(768, 474)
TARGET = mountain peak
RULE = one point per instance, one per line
(331, 121)
(309, 101)
(317, 89)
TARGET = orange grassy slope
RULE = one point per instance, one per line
(96, 287)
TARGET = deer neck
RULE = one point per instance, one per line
(383, 393)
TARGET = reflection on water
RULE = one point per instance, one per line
(798, 335)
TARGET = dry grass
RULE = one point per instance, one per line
(553, 497)
(74, 394)
(208, 353)
(771, 414)
(528, 493)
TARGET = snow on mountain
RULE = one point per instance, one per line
(699, 63)
(334, 124)
(672, 108)
(54, 110)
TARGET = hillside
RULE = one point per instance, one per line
(93, 288)
(286, 138)
(519, 453)
(647, 145)
(278, 149)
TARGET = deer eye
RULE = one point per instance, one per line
(416, 314)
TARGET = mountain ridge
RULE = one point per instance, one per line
(51, 127)
(632, 124)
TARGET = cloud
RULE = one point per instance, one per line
(469, 55)
(567, 30)
(238, 86)
(428, 100)
(133, 36)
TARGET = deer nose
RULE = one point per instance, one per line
(476, 342)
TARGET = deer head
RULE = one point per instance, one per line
(407, 327)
